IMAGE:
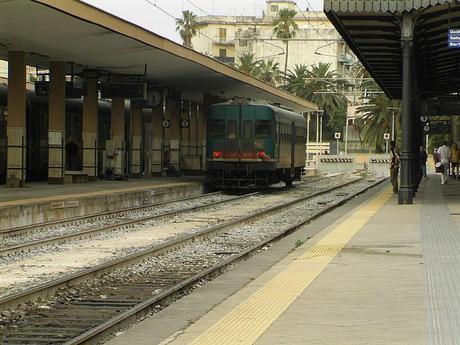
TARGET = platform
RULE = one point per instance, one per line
(373, 273)
(42, 202)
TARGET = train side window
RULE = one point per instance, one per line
(247, 129)
(216, 128)
(231, 129)
(263, 128)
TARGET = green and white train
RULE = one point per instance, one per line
(254, 145)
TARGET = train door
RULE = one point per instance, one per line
(247, 131)
(293, 140)
(232, 116)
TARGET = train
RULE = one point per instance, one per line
(253, 146)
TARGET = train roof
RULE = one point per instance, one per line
(285, 113)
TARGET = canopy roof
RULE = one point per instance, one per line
(74, 31)
(380, 6)
(372, 30)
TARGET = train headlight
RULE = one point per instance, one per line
(217, 154)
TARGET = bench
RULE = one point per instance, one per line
(75, 177)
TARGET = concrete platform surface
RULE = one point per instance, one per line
(33, 192)
(373, 272)
(39, 203)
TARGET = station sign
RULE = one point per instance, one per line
(166, 123)
(184, 123)
(443, 105)
(453, 40)
(386, 136)
(337, 135)
(438, 127)
(42, 88)
(124, 90)
(424, 118)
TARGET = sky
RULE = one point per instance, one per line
(157, 15)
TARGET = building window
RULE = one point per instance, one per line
(222, 52)
(350, 122)
(222, 33)
(243, 42)
(274, 8)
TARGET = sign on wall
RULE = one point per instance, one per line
(453, 38)
(166, 123)
(184, 123)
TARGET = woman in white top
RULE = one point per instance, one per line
(444, 157)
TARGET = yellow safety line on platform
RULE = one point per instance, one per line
(247, 322)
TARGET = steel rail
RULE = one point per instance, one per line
(97, 216)
(45, 289)
(24, 247)
(77, 235)
(135, 313)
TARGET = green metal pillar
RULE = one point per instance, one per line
(406, 191)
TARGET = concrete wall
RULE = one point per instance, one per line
(21, 214)
(377, 165)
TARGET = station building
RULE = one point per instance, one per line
(226, 38)
(126, 97)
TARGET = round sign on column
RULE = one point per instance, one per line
(386, 136)
(184, 123)
(337, 135)
(166, 123)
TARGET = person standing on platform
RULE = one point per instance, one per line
(444, 157)
(454, 158)
(71, 149)
(394, 166)
(423, 157)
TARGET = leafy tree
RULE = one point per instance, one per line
(268, 71)
(296, 79)
(318, 84)
(377, 119)
(323, 89)
(248, 63)
(285, 28)
(187, 27)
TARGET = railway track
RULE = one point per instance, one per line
(90, 313)
(92, 225)
(122, 222)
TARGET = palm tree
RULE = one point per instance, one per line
(323, 89)
(187, 27)
(285, 28)
(296, 79)
(376, 120)
(320, 85)
(248, 63)
(268, 71)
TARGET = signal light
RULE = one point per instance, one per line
(217, 154)
(261, 154)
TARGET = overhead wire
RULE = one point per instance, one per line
(313, 26)
(175, 18)
(221, 21)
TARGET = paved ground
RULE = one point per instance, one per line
(395, 282)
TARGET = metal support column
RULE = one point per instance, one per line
(406, 189)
